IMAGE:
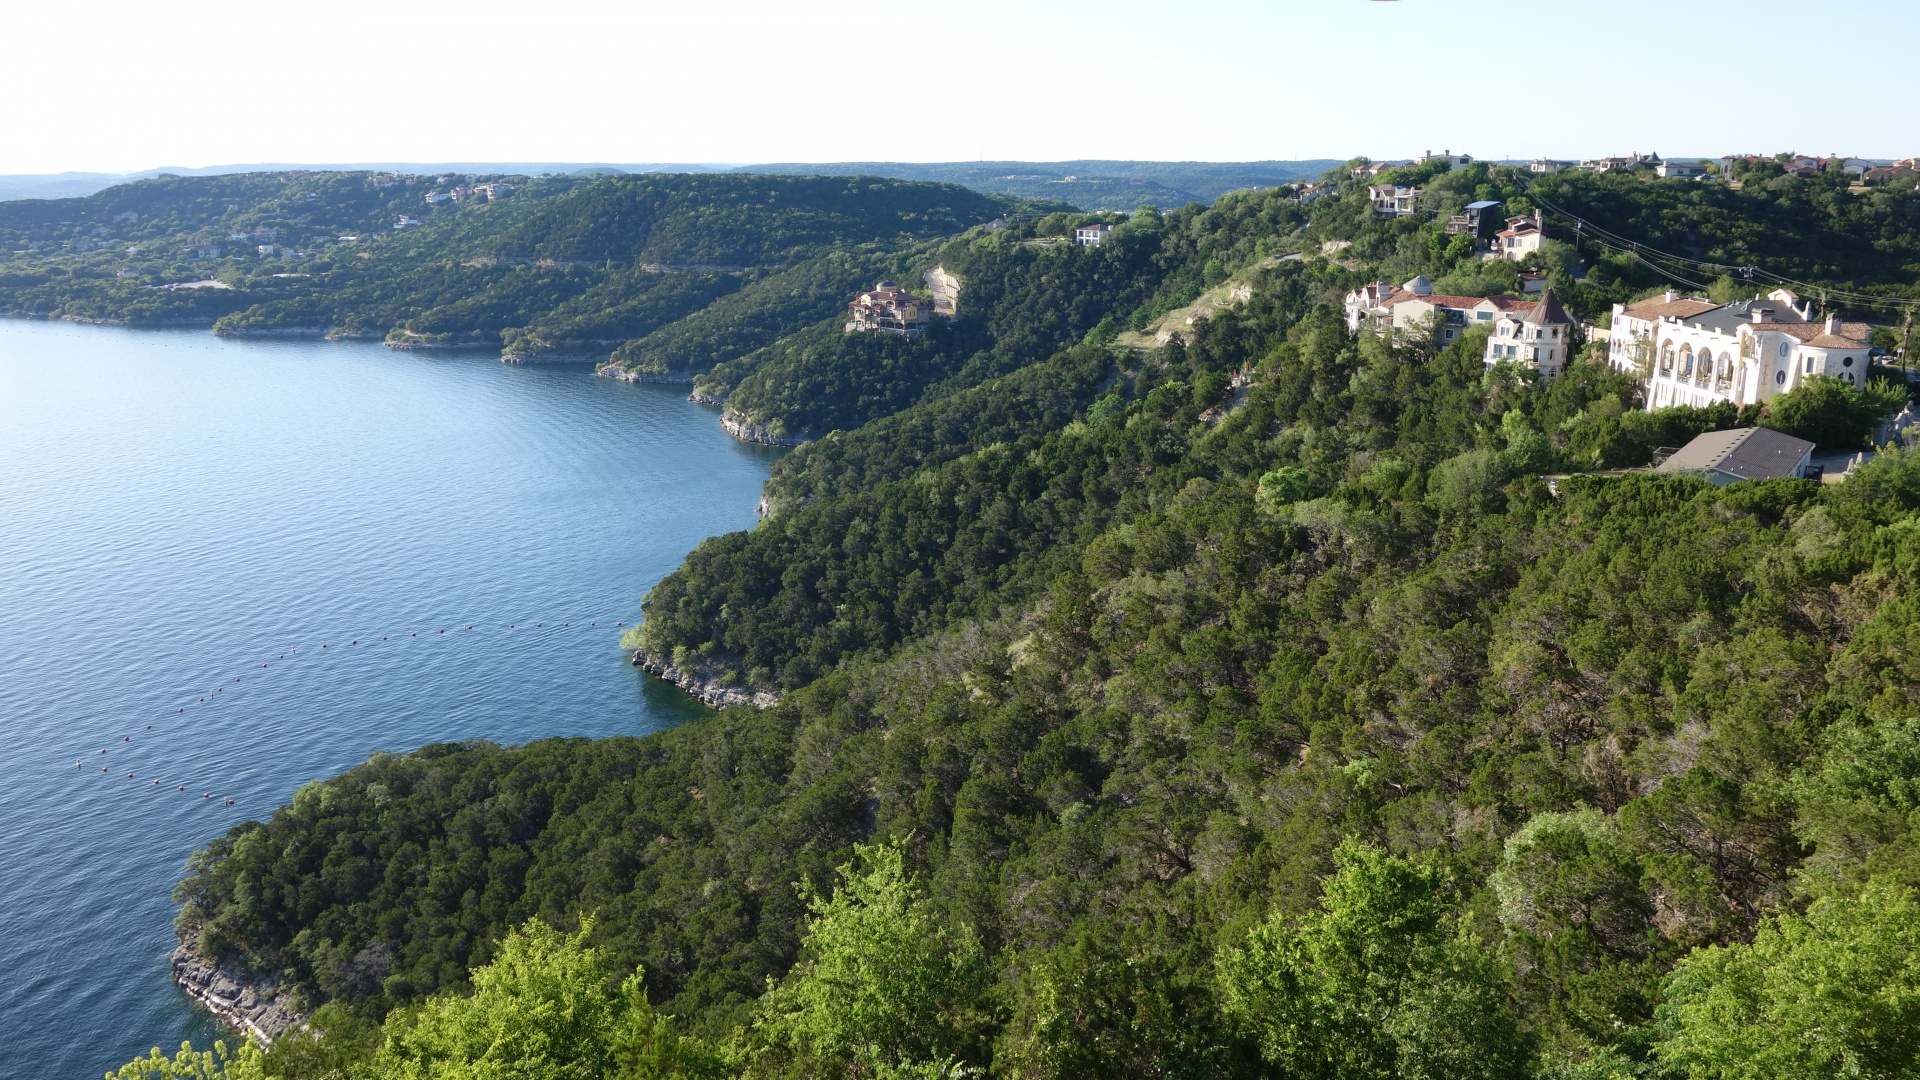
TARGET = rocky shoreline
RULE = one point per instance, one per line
(670, 378)
(255, 1004)
(747, 431)
(707, 688)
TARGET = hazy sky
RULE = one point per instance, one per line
(112, 85)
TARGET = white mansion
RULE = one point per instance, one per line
(1696, 352)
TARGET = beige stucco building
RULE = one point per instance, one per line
(1696, 352)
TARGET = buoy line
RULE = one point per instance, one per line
(213, 696)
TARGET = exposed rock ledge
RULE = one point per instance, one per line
(615, 371)
(252, 1003)
(546, 357)
(747, 431)
(701, 397)
(707, 688)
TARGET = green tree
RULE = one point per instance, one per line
(1831, 412)
(546, 1008)
(1379, 983)
(190, 1064)
(884, 987)
(1832, 993)
(1580, 925)
(1282, 487)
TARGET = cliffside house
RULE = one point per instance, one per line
(944, 288)
(1522, 236)
(1723, 457)
(1536, 335)
(1476, 220)
(888, 309)
(1371, 170)
(1696, 352)
(435, 198)
(1392, 200)
(1091, 235)
(1383, 309)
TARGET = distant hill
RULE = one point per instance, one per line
(551, 265)
(1089, 184)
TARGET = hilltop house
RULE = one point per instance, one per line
(1635, 160)
(1091, 235)
(1544, 166)
(1381, 308)
(888, 309)
(1447, 157)
(1371, 170)
(1695, 352)
(1522, 236)
(1392, 200)
(1537, 335)
(1690, 170)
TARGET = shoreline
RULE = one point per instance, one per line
(709, 690)
(251, 1003)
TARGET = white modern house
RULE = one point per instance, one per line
(1392, 200)
(1537, 335)
(1690, 170)
(1696, 352)
(1091, 235)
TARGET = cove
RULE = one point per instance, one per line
(177, 509)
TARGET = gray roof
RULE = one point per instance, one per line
(1484, 204)
(1727, 318)
(1744, 453)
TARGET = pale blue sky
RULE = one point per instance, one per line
(114, 85)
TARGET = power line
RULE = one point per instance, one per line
(1624, 246)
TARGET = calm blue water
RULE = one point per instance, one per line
(176, 509)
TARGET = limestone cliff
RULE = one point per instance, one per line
(703, 684)
(255, 1004)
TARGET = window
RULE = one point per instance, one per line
(1809, 365)
(1779, 377)
(1847, 362)
(1783, 350)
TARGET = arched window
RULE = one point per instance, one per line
(1726, 367)
(1666, 357)
(1686, 361)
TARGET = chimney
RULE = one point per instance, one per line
(1672, 296)
(1760, 314)
(1833, 324)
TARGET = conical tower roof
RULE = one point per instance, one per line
(1548, 311)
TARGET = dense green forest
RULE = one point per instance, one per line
(1240, 704)
(548, 264)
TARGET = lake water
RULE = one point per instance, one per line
(177, 510)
